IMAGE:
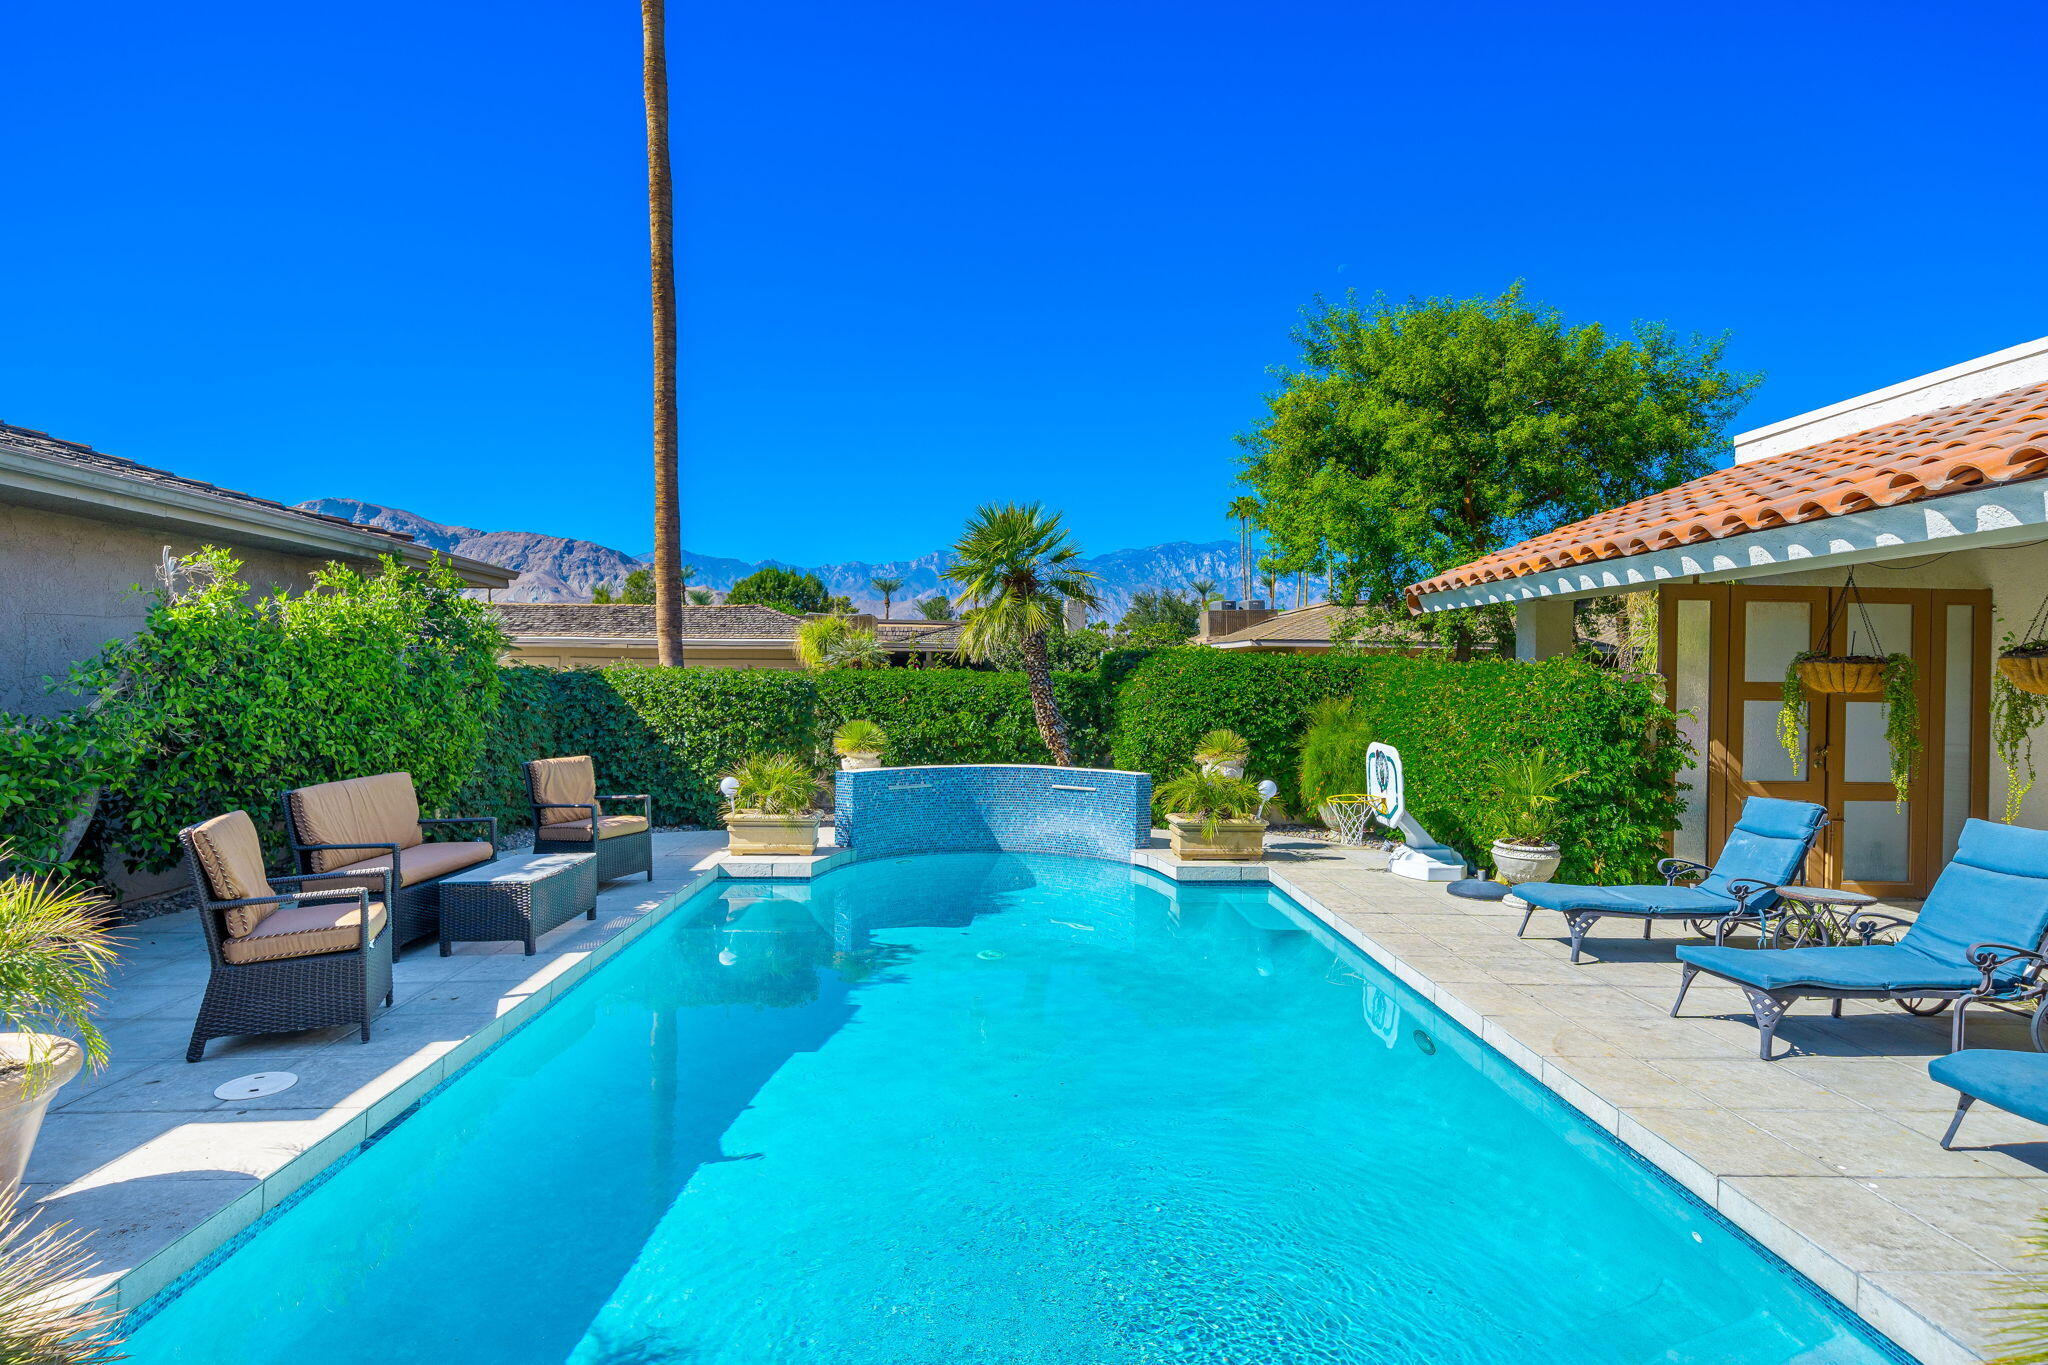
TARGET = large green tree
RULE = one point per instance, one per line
(1016, 566)
(783, 589)
(1157, 619)
(1414, 437)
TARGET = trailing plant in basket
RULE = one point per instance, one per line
(1901, 690)
(2016, 713)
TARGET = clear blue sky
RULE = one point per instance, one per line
(938, 253)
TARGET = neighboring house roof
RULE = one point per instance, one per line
(1316, 625)
(635, 621)
(42, 470)
(1996, 440)
(630, 622)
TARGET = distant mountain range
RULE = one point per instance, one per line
(555, 569)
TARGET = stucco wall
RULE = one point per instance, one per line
(67, 588)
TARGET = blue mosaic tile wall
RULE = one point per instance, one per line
(975, 808)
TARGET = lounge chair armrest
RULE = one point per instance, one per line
(392, 849)
(381, 875)
(490, 820)
(1868, 924)
(1989, 957)
(1671, 869)
(646, 803)
(1742, 888)
(566, 805)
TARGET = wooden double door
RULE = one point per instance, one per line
(1724, 652)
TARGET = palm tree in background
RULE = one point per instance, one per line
(701, 597)
(661, 250)
(1270, 581)
(1245, 510)
(1204, 590)
(1015, 564)
(888, 587)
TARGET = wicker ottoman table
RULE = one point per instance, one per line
(520, 897)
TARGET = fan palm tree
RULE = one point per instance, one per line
(668, 551)
(888, 587)
(701, 597)
(1245, 510)
(1014, 562)
(1270, 581)
(1204, 590)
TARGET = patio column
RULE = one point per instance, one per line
(1543, 629)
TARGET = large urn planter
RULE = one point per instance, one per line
(25, 1093)
(1230, 768)
(1230, 841)
(859, 763)
(1517, 863)
(752, 833)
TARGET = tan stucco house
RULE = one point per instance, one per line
(1934, 492)
(593, 635)
(80, 529)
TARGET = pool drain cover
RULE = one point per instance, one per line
(252, 1086)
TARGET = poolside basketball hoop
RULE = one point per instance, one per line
(1350, 814)
(1420, 857)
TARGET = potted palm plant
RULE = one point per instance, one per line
(54, 955)
(1223, 751)
(1212, 818)
(39, 1261)
(1526, 785)
(771, 806)
(859, 745)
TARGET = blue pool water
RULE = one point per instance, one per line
(993, 1108)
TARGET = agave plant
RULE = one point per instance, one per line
(1222, 746)
(858, 737)
(36, 1264)
(773, 784)
(1212, 796)
(1333, 751)
(54, 955)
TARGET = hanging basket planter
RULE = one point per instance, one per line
(1842, 676)
(2027, 672)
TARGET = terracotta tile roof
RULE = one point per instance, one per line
(2001, 439)
(41, 445)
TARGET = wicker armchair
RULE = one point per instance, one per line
(281, 962)
(568, 817)
(333, 825)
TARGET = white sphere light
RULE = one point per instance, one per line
(730, 786)
(1269, 789)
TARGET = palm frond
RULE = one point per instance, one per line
(37, 1262)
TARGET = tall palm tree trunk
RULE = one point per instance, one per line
(668, 550)
(1045, 707)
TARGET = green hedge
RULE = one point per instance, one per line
(935, 715)
(1448, 719)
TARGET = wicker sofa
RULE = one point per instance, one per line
(568, 817)
(281, 962)
(333, 825)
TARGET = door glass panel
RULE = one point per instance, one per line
(1772, 633)
(1763, 758)
(1876, 842)
(1889, 629)
(1865, 755)
(1691, 642)
(1955, 727)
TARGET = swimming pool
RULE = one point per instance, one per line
(1002, 1108)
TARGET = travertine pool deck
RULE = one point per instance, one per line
(1829, 1158)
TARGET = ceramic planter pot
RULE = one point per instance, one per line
(1834, 677)
(750, 832)
(1234, 841)
(1234, 768)
(859, 763)
(1518, 863)
(2027, 672)
(21, 1112)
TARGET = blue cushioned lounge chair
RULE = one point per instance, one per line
(1977, 938)
(2016, 1082)
(1764, 851)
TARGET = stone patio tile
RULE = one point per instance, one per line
(108, 1148)
(1863, 1228)
(1725, 1142)
(1944, 1317)
(1866, 1146)
(134, 1221)
(1748, 1083)
(2006, 1143)
(1630, 1082)
(1993, 1215)
(1885, 1084)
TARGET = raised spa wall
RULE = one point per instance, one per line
(1013, 808)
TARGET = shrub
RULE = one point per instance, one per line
(859, 737)
(1222, 746)
(950, 715)
(1449, 720)
(773, 784)
(1336, 741)
(1210, 795)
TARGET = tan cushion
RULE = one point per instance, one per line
(231, 856)
(302, 930)
(567, 781)
(363, 810)
(608, 827)
(421, 863)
